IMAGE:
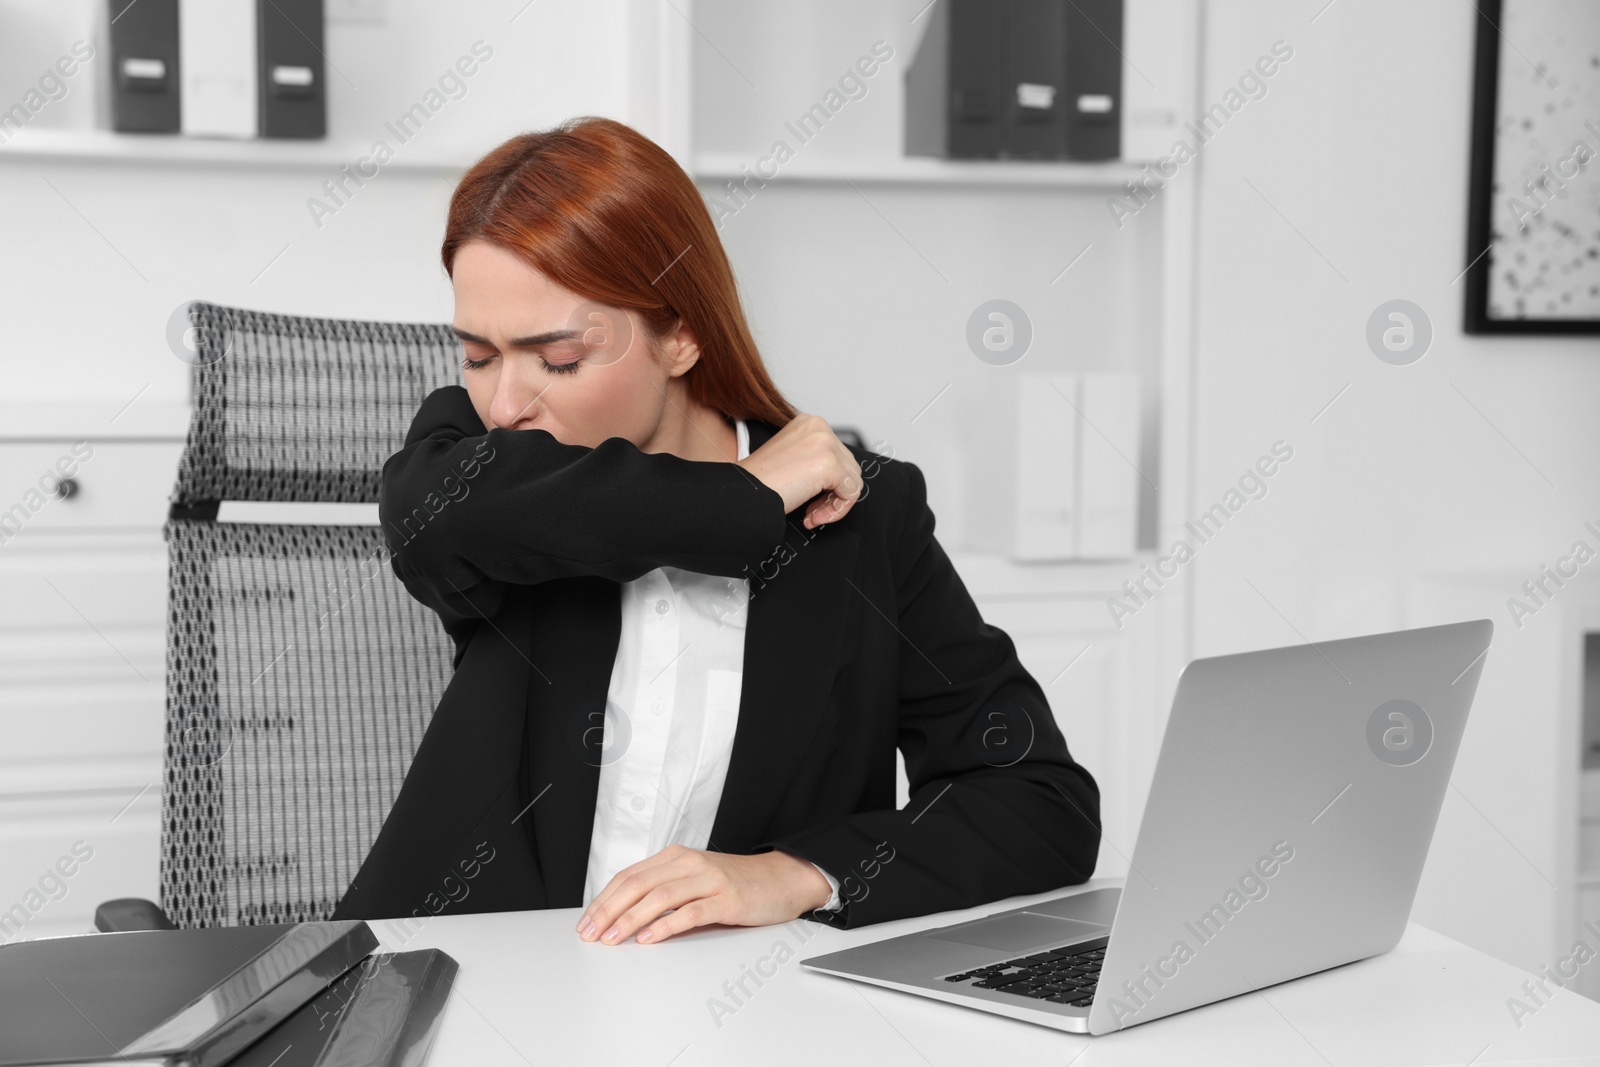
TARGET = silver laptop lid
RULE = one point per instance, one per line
(1289, 816)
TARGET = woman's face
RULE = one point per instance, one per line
(536, 356)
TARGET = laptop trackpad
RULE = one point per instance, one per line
(1011, 933)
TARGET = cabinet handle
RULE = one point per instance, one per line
(66, 488)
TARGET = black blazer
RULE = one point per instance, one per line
(860, 638)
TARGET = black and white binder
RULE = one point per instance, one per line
(145, 66)
(290, 80)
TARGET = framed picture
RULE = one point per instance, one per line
(1533, 227)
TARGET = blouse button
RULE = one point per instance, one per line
(638, 803)
(661, 607)
(655, 705)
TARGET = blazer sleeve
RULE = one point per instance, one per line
(466, 512)
(998, 807)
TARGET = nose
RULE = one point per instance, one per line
(514, 407)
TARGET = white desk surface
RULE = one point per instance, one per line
(529, 992)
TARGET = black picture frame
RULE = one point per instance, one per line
(1481, 193)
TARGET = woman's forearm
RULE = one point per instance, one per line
(460, 505)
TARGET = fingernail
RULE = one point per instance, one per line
(581, 920)
(644, 936)
(613, 934)
(587, 930)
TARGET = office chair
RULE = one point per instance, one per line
(300, 673)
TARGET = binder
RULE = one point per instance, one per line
(1017, 79)
(1035, 79)
(191, 997)
(1108, 483)
(383, 1013)
(1094, 79)
(217, 43)
(977, 82)
(1021, 474)
(145, 66)
(290, 80)
(955, 85)
(1049, 467)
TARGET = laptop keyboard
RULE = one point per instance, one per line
(1065, 975)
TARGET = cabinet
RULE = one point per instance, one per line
(82, 659)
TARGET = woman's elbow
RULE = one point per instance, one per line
(1079, 828)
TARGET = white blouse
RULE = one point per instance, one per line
(671, 711)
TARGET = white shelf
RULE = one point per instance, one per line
(720, 166)
(161, 148)
(168, 148)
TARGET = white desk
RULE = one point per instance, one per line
(529, 992)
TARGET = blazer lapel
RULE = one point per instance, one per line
(798, 599)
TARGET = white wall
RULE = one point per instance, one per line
(1362, 146)
(1343, 188)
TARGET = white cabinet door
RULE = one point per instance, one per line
(82, 681)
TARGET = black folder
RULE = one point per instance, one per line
(384, 1012)
(977, 82)
(1035, 79)
(1093, 109)
(290, 81)
(144, 66)
(193, 997)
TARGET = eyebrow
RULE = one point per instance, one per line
(531, 341)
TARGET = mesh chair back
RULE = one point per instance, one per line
(300, 674)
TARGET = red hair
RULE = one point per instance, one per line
(606, 213)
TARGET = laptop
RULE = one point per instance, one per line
(1291, 810)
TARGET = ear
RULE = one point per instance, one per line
(680, 350)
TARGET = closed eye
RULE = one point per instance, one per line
(469, 363)
(541, 340)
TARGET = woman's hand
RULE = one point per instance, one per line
(804, 459)
(704, 887)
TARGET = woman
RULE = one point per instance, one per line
(691, 626)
